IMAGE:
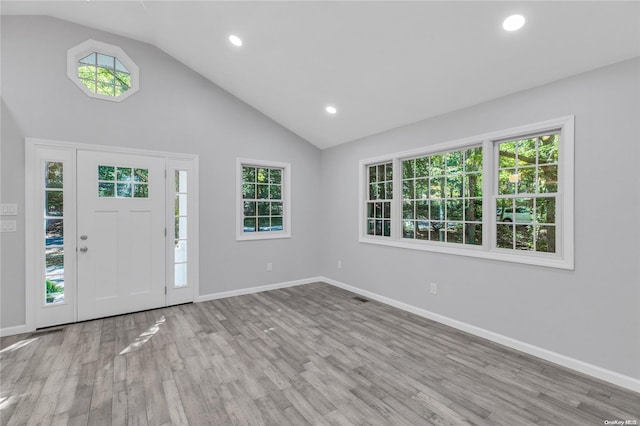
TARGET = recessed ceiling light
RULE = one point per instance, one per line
(235, 40)
(513, 23)
(331, 109)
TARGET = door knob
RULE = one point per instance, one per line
(84, 249)
(83, 237)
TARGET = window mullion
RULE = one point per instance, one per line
(489, 191)
(396, 204)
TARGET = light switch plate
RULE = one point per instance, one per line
(8, 226)
(8, 209)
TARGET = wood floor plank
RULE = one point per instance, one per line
(174, 403)
(303, 355)
(80, 420)
(81, 404)
(60, 419)
(101, 398)
(407, 415)
(136, 404)
(65, 390)
(304, 407)
(233, 407)
(272, 415)
(119, 407)
(316, 399)
(333, 392)
(42, 410)
(155, 398)
(249, 382)
(275, 394)
(28, 400)
(192, 398)
(213, 402)
(294, 417)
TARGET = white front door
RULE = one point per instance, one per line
(120, 233)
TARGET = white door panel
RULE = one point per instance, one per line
(121, 261)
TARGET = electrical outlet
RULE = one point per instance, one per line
(269, 267)
(434, 288)
(339, 264)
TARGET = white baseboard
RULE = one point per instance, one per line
(251, 290)
(10, 331)
(565, 361)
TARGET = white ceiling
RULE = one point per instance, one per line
(382, 64)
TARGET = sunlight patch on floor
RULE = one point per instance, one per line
(7, 401)
(144, 337)
(18, 345)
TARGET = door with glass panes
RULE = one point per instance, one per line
(120, 233)
(109, 231)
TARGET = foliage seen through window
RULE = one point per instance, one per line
(262, 202)
(527, 193)
(104, 75)
(442, 197)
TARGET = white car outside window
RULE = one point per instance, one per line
(522, 215)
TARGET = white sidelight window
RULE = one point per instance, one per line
(54, 224)
(180, 235)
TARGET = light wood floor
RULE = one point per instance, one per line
(304, 355)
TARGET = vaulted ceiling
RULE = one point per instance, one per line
(381, 64)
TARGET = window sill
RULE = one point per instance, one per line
(253, 236)
(537, 259)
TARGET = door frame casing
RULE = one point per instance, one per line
(33, 241)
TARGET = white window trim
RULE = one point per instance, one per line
(83, 49)
(286, 201)
(563, 258)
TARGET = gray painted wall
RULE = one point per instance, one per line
(592, 313)
(175, 110)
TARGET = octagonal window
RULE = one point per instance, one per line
(102, 70)
(104, 74)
